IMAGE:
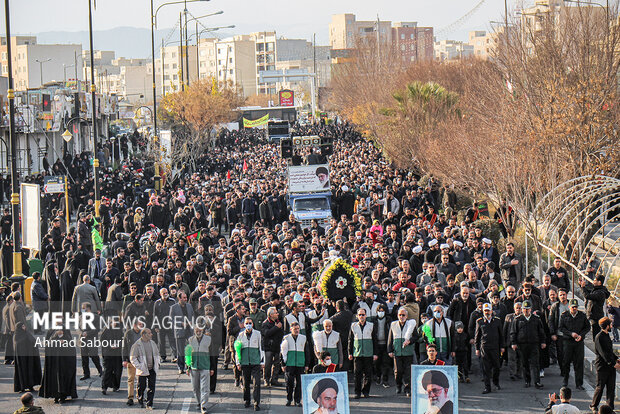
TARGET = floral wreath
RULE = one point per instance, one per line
(341, 282)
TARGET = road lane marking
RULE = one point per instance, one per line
(186, 404)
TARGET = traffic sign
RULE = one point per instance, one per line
(54, 184)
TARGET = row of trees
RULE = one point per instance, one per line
(542, 110)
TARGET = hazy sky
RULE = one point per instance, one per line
(290, 18)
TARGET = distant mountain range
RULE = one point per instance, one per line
(129, 42)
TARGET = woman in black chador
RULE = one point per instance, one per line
(60, 367)
(27, 360)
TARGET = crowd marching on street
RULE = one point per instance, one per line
(219, 246)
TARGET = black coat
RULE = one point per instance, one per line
(489, 335)
(595, 299)
(579, 324)
(527, 332)
(272, 335)
(604, 349)
(60, 369)
(460, 310)
(27, 361)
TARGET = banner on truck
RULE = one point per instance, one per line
(308, 178)
(247, 123)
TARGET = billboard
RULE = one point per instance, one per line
(165, 143)
(287, 97)
(308, 178)
(31, 216)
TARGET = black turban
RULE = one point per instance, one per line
(323, 385)
(435, 377)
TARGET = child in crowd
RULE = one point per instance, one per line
(461, 342)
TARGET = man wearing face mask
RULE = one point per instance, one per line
(383, 362)
(443, 331)
(362, 351)
(251, 363)
(489, 344)
(400, 346)
(368, 304)
(527, 337)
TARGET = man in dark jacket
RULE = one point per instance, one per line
(490, 344)
(526, 336)
(606, 365)
(114, 298)
(273, 331)
(595, 295)
(342, 324)
(39, 297)
(161, 310)
(514, 361)
(574, 327)
(557, 309)
(139, 276)
(84, 235)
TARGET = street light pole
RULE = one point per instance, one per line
(156, 178)
(17, 251)
(41, 62)
(186, 46)
(93, 89)
(181, 77)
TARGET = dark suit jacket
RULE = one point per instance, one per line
(342, 324)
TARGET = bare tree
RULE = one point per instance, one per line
(193, 113)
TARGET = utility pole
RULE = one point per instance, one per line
(181, 79)
(378, 41)
(156, 177)
(186, 46)
(315, 73)
(93, 105)
(506, 20)
(77, 97)
(314, 53)
(163, 76)
(17, 250)
(197, 52)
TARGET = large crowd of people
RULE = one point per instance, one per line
(218, 244)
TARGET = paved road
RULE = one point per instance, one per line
(173, 395)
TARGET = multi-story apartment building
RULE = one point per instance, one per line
(36, 64)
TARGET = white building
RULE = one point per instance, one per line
(452, 49)
(36, 64)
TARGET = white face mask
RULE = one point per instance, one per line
(328, 361)
(380, 314)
